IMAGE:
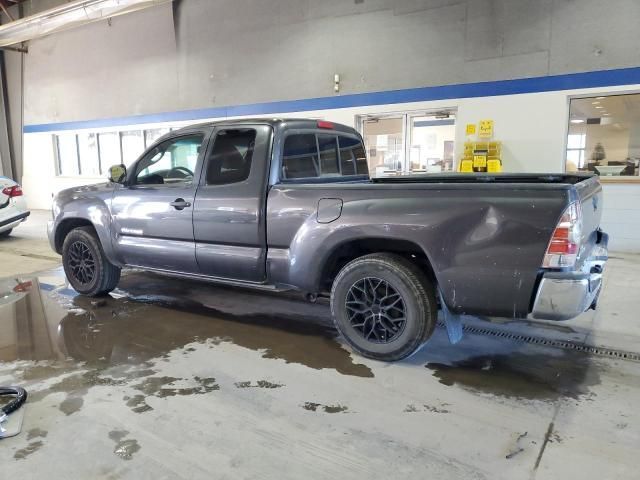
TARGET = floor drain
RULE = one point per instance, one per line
(567, 345)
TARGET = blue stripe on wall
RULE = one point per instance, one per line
(602, 78)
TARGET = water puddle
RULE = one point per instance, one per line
(74, 343)
(541, 376)
(131, 328)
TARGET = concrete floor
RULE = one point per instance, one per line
(175, 379)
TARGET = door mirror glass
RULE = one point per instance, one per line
(117, 173)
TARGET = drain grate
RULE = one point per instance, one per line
(567, 345)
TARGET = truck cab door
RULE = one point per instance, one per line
(229, 210)
(153, 213)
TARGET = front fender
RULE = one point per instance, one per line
(85, 205)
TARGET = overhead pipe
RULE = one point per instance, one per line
(67, 16)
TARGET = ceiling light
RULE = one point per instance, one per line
(595, 103)
(577, 120)
(600, 98)
(68, 15)
(598, 106)
(606, 114)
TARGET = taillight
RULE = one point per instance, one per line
(325, 124)
(15, 191)
(565, 242)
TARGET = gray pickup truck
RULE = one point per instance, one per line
(288, 205)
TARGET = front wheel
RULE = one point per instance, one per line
(384, 306)
(85, 264)
(6, 233)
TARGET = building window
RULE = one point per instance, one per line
(153, 134)
(132, 143)
(604, 135)
(67, 155)
(575, 151)
(109, 147)
(407, 143)
(89, 154)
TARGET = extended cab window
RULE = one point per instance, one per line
(230, 158)
(172, 161)
(300, 157)
(309, 155)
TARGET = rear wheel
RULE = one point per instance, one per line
(85, 264)
(384, 306)
(6, 233)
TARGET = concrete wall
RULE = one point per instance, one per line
(205, 53)
(230, 52)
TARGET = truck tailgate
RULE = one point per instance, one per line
(589, 193)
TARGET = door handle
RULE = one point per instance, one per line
(180, 204)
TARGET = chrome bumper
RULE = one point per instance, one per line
(565, 295)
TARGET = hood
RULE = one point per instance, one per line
(85, 195)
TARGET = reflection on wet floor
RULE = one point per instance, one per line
(131, 328)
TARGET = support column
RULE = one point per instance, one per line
(7, 165)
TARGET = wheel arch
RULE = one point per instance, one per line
(349, 250)
(68, 224)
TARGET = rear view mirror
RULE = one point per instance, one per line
(117, 173)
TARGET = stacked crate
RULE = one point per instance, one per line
(481, 156)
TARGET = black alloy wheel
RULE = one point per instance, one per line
(376, 310)
(82, 263)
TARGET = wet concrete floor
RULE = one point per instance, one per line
(185, 380)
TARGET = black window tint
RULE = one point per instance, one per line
(328, 145)
(347, 159)
(353, 157)
(300, 157)
(230, 159)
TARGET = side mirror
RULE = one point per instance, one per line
(117, 173)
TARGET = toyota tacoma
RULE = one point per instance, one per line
(288, 205)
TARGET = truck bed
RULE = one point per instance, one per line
(539, 178)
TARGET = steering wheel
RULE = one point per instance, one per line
(185, 170)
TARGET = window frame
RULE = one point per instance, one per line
(319, 179)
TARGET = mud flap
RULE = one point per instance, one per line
(452, 322)
(12, 424)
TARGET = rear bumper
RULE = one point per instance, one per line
(565, 295)
(13, 221)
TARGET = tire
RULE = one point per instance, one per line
(6, 233)
(371, 323)
(85, 264)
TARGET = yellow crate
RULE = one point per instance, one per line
(466, 166)
(494, 166)
(479, 161)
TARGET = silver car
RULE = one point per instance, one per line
(13, 206)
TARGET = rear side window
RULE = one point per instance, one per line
(300, 157)
(328, 146)
(230, 158)
(309, 155)
(353, 156)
